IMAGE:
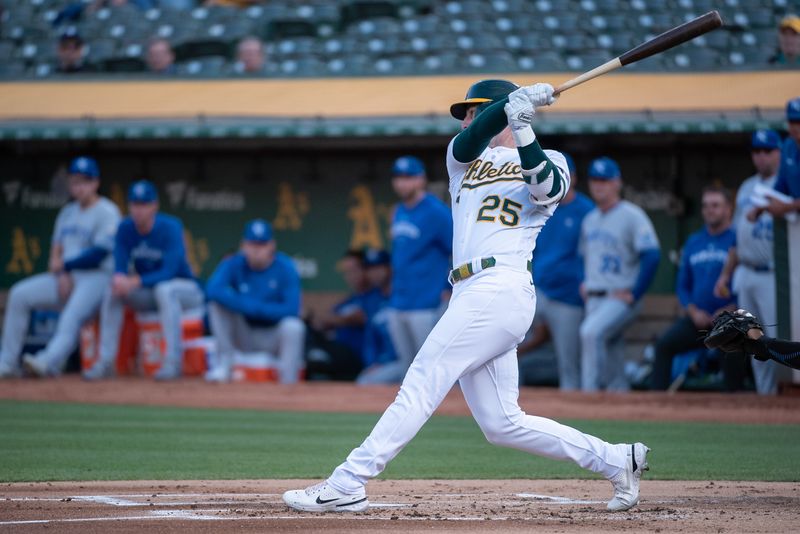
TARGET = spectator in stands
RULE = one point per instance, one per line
(78, 270)
(70, 53)
(557, 274)
(422, 241)
(381, 365)
(160, 279)
(336, 339)
(250, 56)
(621, 255)
(788, 42)
(254, 305)
(160, 57)
(702, 259)
(749, 270)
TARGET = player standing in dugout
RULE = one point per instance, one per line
(503, 188)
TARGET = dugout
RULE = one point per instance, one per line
(224, 151)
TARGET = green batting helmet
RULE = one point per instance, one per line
(482, 93)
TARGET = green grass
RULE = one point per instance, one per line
(49, 441)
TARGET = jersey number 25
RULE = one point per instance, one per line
(509, 213)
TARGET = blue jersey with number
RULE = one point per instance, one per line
(557, 267)
(422, 241)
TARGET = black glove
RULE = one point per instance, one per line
(729, 332)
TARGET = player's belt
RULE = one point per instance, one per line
(758, 268)
(597, 293)
(462, 272)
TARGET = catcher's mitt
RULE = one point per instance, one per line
(729, 331)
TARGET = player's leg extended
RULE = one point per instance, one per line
(758, 296)
(605, 319)
(484, 319)
(172, 297)
(82, 304)
(37, 292)
(563, 321)
(492, 394)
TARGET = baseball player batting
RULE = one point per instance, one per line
(503, 188)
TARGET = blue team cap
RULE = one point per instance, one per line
(258, 230)
(142, 191)
(570, 162)
(604, 168)
(768, 139)
(376, 256)
(408, 166)
(793, 109)
(86, 166)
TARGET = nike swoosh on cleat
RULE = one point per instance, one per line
(326, 501)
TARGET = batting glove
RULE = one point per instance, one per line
(540, 94)
(520, 112)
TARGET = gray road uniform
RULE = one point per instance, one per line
(80, 232)
(754, 279)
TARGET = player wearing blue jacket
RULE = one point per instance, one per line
(422, 243)
(150, 273)
(788, 181)
(254, 305)
(702, 259)
(78, 271)
(621, 253)
(557, 275)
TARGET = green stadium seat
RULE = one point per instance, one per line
(207, 66)
(281, 29)
(123, 65)
(201, 48)
(541, 62)
(366, 9)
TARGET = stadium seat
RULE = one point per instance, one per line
(366, 9)
(281, 29)
(100, 50)
(12, 69)
(123, 64)
(543, 62)
(207, 66)
(201, 48)
(696, 59)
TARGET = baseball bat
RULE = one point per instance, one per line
(660, 43)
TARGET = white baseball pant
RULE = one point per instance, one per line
(475, 343)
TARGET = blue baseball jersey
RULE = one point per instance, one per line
(788, 181)
(422, 242)
(350, 336)
(158, 256)
(378, 347)
(557, 266)
(701, 262)
(264, 297)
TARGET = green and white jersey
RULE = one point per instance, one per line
(493, 212)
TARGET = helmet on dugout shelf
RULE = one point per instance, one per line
(482, 93)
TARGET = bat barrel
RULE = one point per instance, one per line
(675, 36)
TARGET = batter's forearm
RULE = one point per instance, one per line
(469, 144)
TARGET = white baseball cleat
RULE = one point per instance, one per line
(323, 498)
(36, 366)
(626, 483)
(8, 371)
(98, 371)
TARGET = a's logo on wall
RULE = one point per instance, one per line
(292, 207)
(25, 250)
